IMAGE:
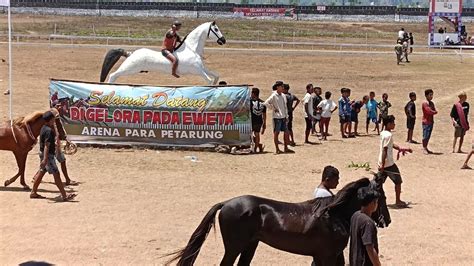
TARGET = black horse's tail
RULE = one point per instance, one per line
(188, 254)
(110, 59)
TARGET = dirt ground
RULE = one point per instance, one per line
(136, 205)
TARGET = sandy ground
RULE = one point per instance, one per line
(136, 205)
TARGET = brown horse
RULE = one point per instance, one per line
(20, 136)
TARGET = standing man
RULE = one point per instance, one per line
(316, 112)
(277, 103)
(410, 38)
(308, 109)
(170, 43)
(429, 111)
(386, 163)
(290, 99)
(259, 118)
(459, 115)
(410, 111)
(47, 157)
(401, 33)
(399, 51)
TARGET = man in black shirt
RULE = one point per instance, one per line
(364, 247)
(259, 117)
(47, 158)
(290, 99)
(316, 112)
(459, 115)
(410, 111)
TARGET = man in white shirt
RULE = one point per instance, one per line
(330, 180)
(278, 103)
(401, 33)
(308, 109)
(386, 164)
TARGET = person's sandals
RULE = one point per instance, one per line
(36, 196)
(289, 151)
(69, 197)
(466, 167)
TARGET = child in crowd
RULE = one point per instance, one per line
(429, 111)
(410, 111)
(371, 106)
(259, 117)
(355, 109)
(327, 107)
(308, 110)
(316, 112)
(459, 115)
(290, 100)
(344, 112)
(383, 107)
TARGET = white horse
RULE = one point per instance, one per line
(189, 55)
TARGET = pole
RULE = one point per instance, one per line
(10, 61)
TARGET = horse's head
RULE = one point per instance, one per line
(381, 216)
(215, 34)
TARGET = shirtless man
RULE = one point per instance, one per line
(169, 44)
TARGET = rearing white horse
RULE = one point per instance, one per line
(189, 55)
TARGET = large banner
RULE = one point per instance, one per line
(97, 113)
(263, 12)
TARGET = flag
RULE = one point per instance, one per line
(4, 2)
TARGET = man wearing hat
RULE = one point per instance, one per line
(169, 44)
(278, 103)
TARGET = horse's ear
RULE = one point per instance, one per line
(214, 23)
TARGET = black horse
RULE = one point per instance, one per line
(318, 228)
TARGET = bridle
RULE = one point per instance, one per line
(381, 218)
(215, 33)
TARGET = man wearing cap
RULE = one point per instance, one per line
(278, 103)
(169, 44)
(47, 157)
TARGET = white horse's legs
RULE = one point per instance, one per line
(207, 76)
(215, 77)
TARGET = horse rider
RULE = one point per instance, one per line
(169, 45)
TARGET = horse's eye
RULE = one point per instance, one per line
(217, 30)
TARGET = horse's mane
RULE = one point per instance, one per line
(23, 120)
(347, 193)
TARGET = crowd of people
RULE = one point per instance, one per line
(318, 113)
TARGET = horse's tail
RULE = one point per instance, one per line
(110, 59)
(188, 254)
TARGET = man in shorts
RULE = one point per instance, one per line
(459, 116)
(170, 43)
(429, 110)
(386, 163)
(410, 112)
(308, 109)
(277, 103)
(372, 113)
(344, 112)
(259, 117)
(355, 110)
(47, 158)
(291, 105)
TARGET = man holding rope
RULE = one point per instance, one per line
(386, 163)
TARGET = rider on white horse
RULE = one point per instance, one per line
(169, 44)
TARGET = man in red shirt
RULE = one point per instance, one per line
(429, 111)
(169, 44)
